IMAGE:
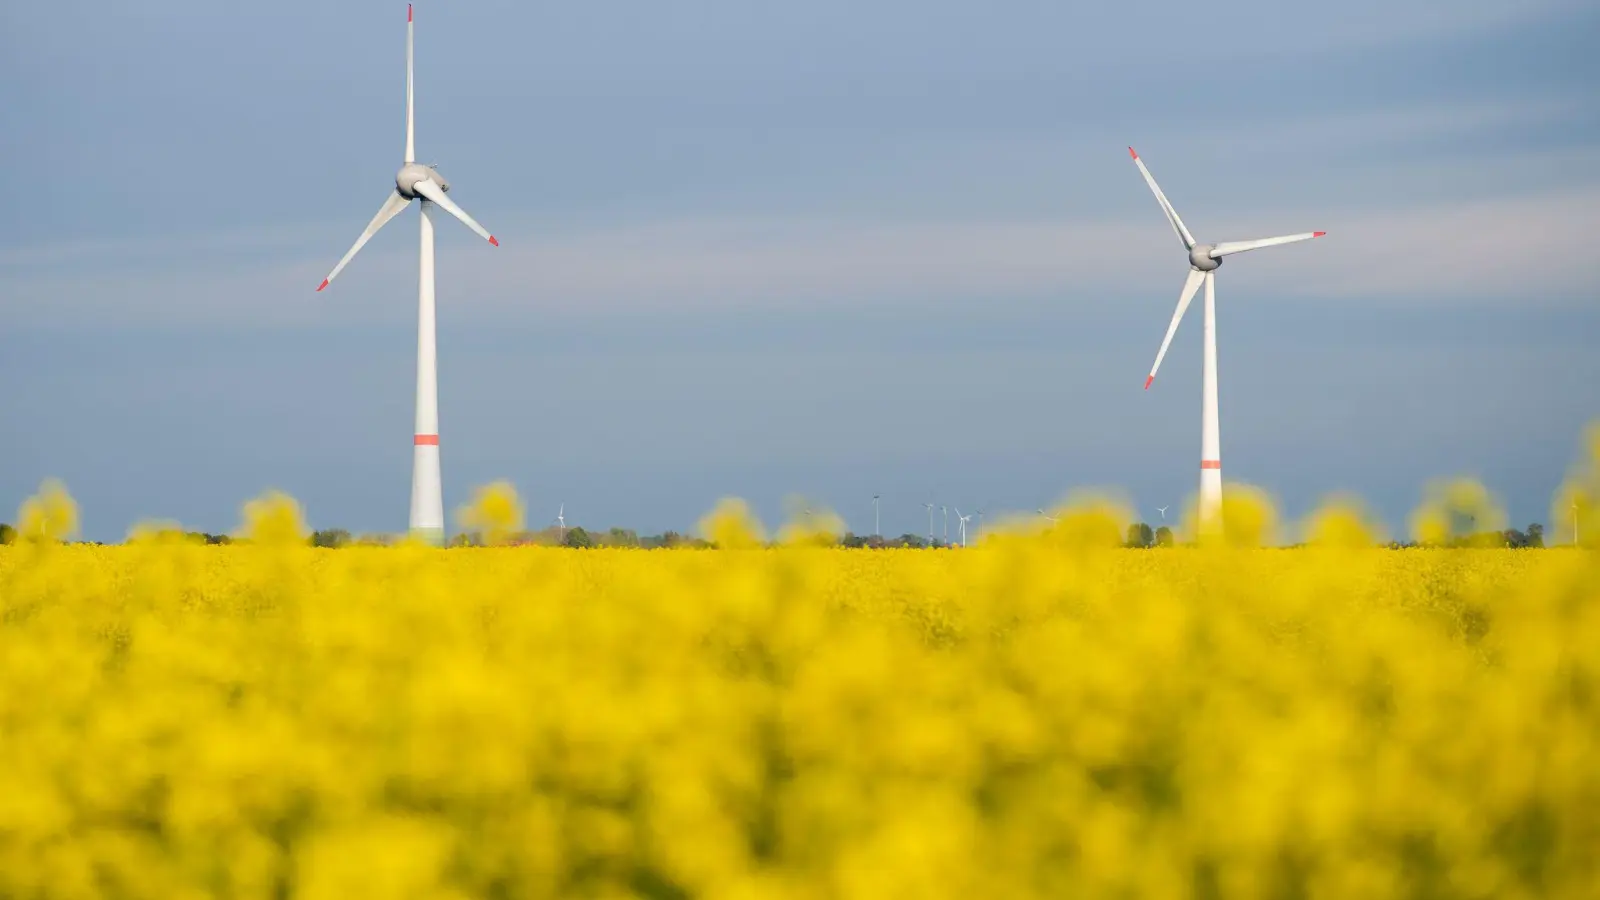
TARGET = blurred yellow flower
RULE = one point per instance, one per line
(273, 520)
(494, 513)
(49, 516)
(1044, 715)
(732, 526)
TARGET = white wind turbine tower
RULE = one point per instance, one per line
(962, 520)
(419, 182)
(1204, 260)
(561, 524)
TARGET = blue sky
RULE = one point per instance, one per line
(833, 249)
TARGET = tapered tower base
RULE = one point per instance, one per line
(427, 496)
(1209, 525)
(427, 492)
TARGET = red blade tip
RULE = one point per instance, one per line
(1148, 381)
(1132, 154)
(493, 241)
(323, 284)
(408, 12)
(1319, 234)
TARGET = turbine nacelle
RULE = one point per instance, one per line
(1200, 258)
(405, 181)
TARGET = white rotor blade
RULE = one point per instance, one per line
(430, 189)
(1227, 248)
(1190, 285)
(391, 208)
(1166, 206)
(411, 118)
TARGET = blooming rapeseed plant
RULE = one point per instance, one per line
(1044, 715)
(494, 513)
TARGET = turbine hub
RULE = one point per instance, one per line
(1200, 258)
(406, 179)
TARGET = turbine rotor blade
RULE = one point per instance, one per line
(1190, 285)
(391, 208)
(411, 118)
(1228, 248)
(431, 190)
(1166, 205)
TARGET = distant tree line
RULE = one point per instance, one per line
(1140, 536)
(1530, 538)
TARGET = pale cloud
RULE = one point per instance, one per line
(1377, 22)
(1381, 128)
(1521, 246)
(1534, 248)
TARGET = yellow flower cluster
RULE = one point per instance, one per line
(1041, 716)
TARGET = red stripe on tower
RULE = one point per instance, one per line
(408, 12)
(1210, 463)
(427, 440)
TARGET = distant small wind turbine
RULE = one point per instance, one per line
(946, 511)
(962, 520)
(1052, 519)
(561, 524)
(1163, 511)
(930, 521)
(876, 530)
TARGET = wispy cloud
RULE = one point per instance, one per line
(1530, 246)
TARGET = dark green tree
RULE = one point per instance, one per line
(1536, 536)
(330, 538)
(206, 537)
(8, 535)
(1164, 537)
(666, 540)
(1140, 535)
(620, 537)
(578, 538)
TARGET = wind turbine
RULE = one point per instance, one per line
(876, 531)
(1204, 260)
(1163, 511)
(415, 181)
(930, 521)
(963, 522)
(1052, 519)
(946, 511)
(561, 524)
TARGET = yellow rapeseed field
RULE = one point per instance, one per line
(1040, 716)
